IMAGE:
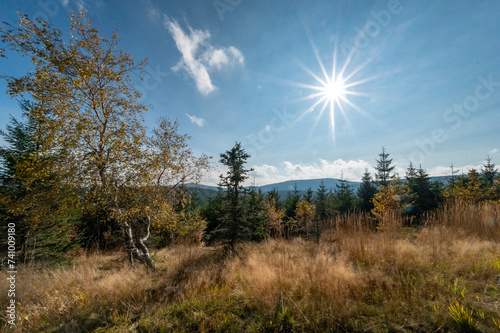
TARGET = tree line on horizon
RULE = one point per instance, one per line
(80, 173)
(306, 214)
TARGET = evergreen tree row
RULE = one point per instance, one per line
(237, 213)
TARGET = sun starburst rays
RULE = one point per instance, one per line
(332, 91)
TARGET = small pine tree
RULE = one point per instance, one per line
(274, 194)
(291, 201)
(426, 195)
(321, 201)
(233, 226)
(411, 174)
(308, 196)
(14, 158)
(345, 200)
(194, 200)
(384, 168)
(212, 211)
(474, 190)
(466, 188)
(488, 173)
(366, 192)
(256, 215)
(21, 145)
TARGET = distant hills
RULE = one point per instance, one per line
(304, 184)
(206, 191)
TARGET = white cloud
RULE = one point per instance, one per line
(349, 170)
(199, 57)
(493, 151)
(198, 121)
(213, 179)
(446, 170)
(217, 59)
(441, 171)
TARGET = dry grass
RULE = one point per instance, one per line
(441, 277)
(478, 219)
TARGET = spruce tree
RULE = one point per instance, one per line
(194, 201)
(345, 201)
(384, 168)
(488, 173)
(255, 215)
(14, 155)
(321, 201)
(411, 174)
(424, 192)
(20, 145)
(474, 191)
(212, 212)
(366, 192)
(291, 201)
(308, 196)
(274, 195)
(233, 225)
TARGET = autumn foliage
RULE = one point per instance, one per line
(92, 155)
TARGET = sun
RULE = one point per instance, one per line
(333, 90)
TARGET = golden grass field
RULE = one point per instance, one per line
(443, 276)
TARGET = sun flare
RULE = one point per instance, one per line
(333, 90)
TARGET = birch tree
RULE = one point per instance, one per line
(92, 127)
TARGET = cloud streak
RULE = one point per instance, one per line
(199, 57)
(154, 14)
(195, 120)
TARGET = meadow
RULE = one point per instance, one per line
(443, 276)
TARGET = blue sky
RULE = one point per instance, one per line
(421, 78)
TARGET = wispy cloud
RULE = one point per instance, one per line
(80, 4)
(493, 151)
(154, 14)
(198, 121)
(198, 56)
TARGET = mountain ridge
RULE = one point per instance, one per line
(289, 185)
(207, 191)
(304, 184)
